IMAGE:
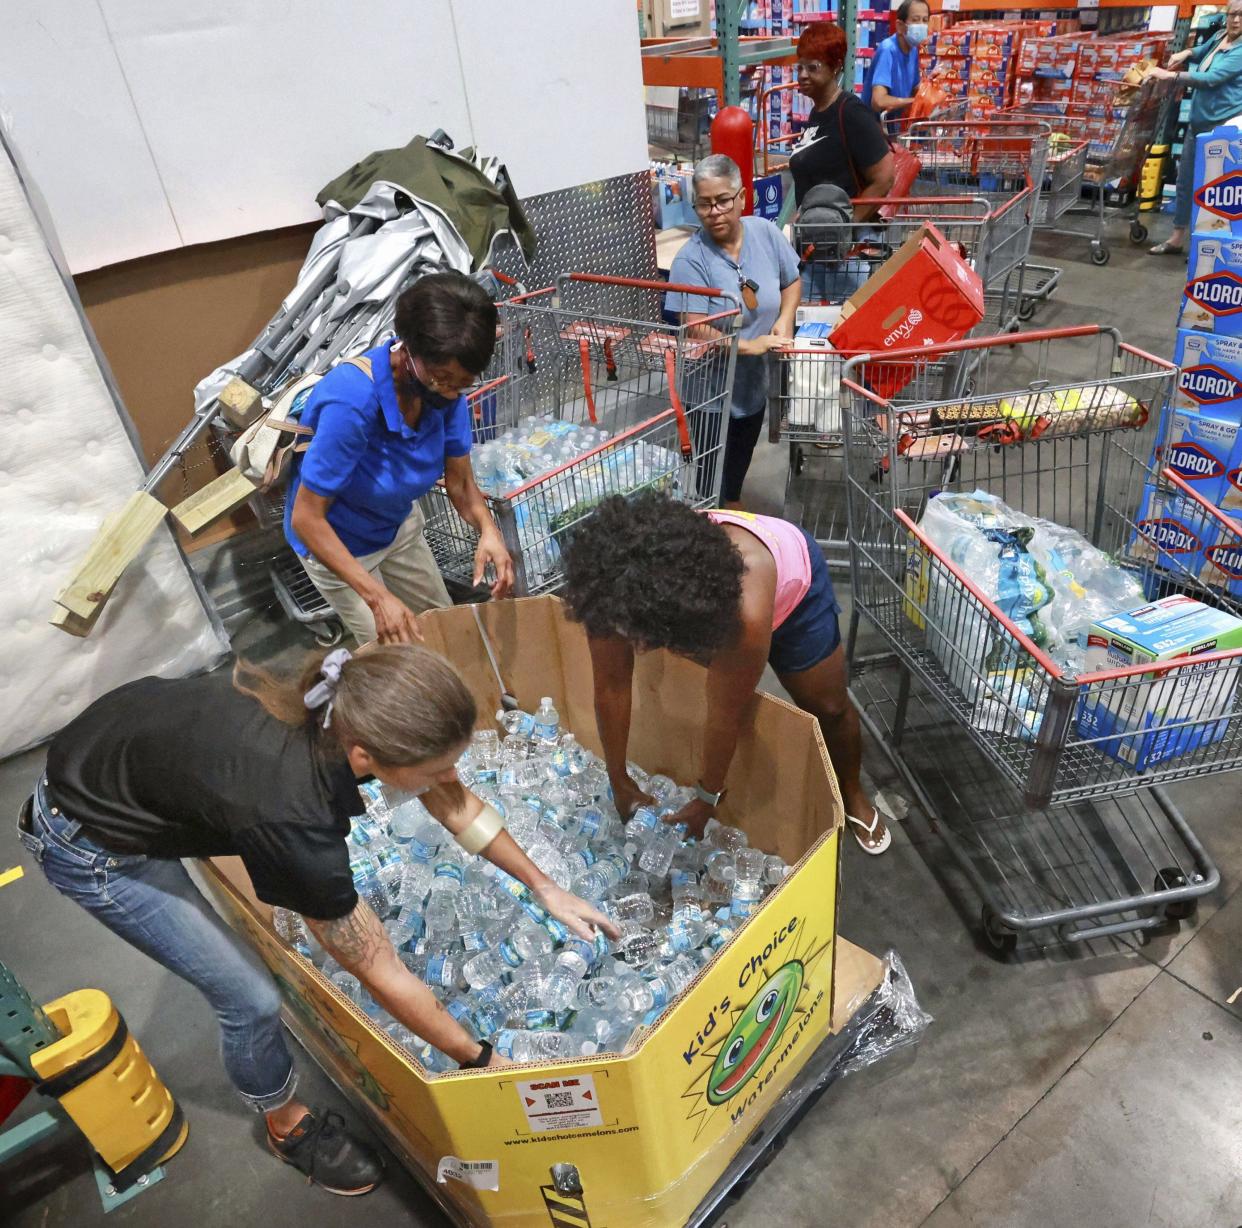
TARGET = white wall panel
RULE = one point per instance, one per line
(251, 108)
(75, 123)
(555, 88)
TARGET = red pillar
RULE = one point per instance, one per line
(733, 134)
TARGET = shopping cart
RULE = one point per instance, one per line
(1048, 817)
(1002, 161)
(1118, 139)
(805, 401)
(1061, 192)
(596, 349)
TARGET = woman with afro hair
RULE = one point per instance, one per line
(731, 590)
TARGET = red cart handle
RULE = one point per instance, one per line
(584, 355)
(683, 427)
(642, 283)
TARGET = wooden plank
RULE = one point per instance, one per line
(116, 545)
(219, 497)
(71, 624)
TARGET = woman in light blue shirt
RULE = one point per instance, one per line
(1216, 75)
(752, 259)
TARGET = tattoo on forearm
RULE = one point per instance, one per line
(353, 939)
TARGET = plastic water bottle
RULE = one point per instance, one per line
(775, 870)
(638, 946)
(656, 857)
(606, 873)
(524, 1046)
(547, 723)
(292, 929)
(749, 869)
(440, 913)
(445, 971)
(637, 907)
(516, 724)
(644, 822)
(722, 837)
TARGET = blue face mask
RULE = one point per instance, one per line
(916, 34)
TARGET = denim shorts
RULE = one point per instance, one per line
(812, 632)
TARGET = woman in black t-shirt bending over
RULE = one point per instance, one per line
(843, 142)
(205, 767)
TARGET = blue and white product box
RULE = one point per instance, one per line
(1222, 562)
(1209, 371)
(1216, 207)
(769, 197)
(1174, 532)
(1212, 300)
(1149, 718)
(1201, 444)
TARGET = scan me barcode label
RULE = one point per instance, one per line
(481, 1174)
(561, 1104)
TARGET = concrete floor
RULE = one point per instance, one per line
(1095, 1086)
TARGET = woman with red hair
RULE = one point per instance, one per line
(843, 143)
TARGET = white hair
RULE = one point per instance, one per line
(717, 166)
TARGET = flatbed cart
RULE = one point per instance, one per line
(1056, 824)
(1119, 156)
(596, 349)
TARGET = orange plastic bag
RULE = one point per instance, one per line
(928, 99)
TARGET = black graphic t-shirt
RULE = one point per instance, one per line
(821, 157)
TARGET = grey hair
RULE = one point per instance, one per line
(717, 166)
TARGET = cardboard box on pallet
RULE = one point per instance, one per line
(651, 1131)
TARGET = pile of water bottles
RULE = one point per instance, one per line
(578, 471)
(504, 968)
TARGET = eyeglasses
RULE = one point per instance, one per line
(722, 204)
(811, 67)
(444, 388)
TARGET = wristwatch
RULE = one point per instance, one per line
(712, 799)
(477, 1063)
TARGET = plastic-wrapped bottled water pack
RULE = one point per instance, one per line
(540, 446)
(504, 968)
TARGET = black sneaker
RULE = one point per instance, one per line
(320, 1147)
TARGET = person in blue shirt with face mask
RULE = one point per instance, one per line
(894, 75)
(382, 438)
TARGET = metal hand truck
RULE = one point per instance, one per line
(1058, 817)
(596, 349)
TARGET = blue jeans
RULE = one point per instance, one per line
(1186, 176)
(154, 905)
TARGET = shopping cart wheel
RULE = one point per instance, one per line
(1099, 254)
(1138, 232)
(1000, 938)
(796, 459)
(327, 635)
(1181, 910)
(1026, 308)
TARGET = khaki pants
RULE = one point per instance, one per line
(408, 569)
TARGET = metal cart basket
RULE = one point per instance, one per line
(596, 349)
(1058, 424)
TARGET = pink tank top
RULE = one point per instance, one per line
(788, 546)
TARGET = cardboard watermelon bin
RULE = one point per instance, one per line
(650, 1131)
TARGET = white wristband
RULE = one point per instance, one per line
(487, 825)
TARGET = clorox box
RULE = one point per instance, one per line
(1212, 300)
(1201, 445)
(1146, 719)
(1209, 370)
(1217, 204)
(1173, 532)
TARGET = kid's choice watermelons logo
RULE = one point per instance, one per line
(1209, 385)
(756, 1032)
(1226, 558)
(1220, 293)
(1193, 462)
(1169, 535)
(1223, 196)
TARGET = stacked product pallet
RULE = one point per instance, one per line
(975, 62)
(1205, 428)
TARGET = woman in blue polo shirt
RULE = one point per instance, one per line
(381, 440)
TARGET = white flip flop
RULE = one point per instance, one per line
(872, 850)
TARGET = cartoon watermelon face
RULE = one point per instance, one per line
(756, 1032)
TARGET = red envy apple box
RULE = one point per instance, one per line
(925, 293)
